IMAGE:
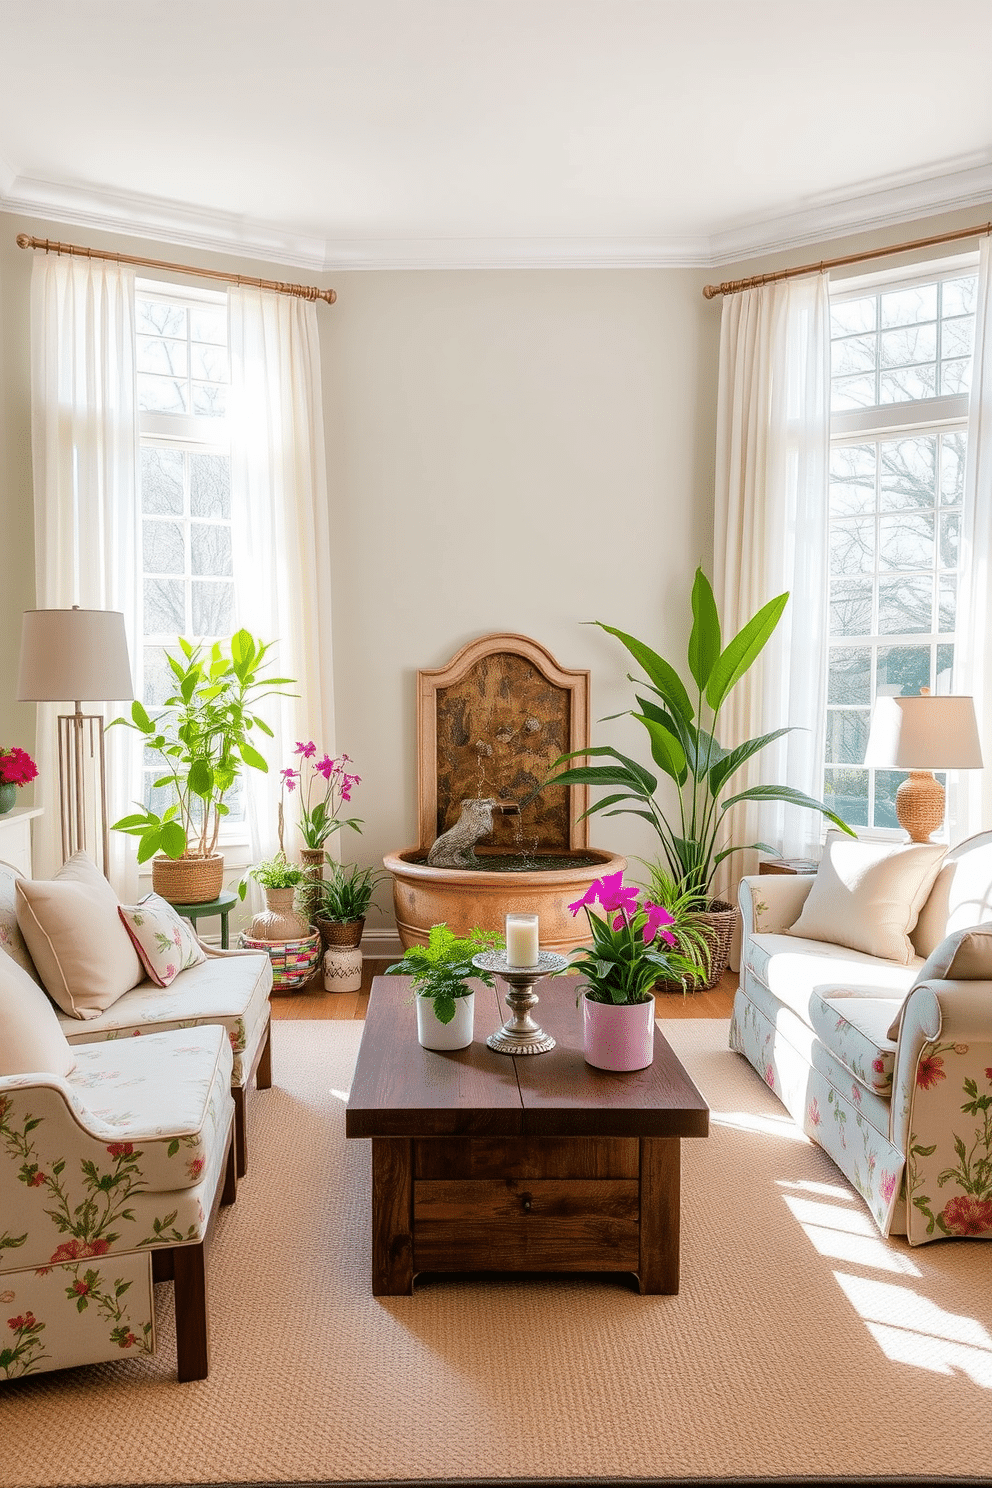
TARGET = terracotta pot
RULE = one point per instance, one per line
(192, 880)
(618, 1036)
(278, 920)
(433, 1034)
(463, 898)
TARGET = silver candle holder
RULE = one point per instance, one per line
(520, 1034)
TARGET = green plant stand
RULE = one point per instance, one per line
(222, 906)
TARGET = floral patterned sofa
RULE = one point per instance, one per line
(885, 1063)
(113, 1159)
(228, 988)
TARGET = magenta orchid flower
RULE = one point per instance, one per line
(654, 925)
(624, 960)
(307, 750)
(319, 803)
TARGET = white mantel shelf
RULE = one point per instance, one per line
(15, 836)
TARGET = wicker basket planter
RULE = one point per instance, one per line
(293, 961)
(340, 933)
(192, 880)
(719, 922)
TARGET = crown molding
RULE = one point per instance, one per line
(880, 203)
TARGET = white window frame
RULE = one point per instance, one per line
(947, 413)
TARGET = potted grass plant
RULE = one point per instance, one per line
(442, 973)
(681, 720)
(204, 740)
(341, 903)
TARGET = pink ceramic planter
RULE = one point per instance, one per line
(618, 1036)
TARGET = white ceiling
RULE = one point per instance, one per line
(367, 133)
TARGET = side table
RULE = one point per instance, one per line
(788, 865)
(222, 906)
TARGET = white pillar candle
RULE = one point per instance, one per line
(521, 940)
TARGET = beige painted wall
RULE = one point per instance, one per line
(507, 450)
(519, 451)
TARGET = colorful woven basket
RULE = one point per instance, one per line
(293, 961)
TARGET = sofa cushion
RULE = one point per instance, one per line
(856, 1031)
(164, 941)
(11, 940)
(965, 956)
(31, 1040)
(795, 969)
(867, 895)
(961, 895)
(83, 954)
(231, 989)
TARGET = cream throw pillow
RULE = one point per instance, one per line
(81, 950)
(965, 956)
(867, 895)
(163, 939)
(33, 1041)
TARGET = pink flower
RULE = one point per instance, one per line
(36, 1180)
(121, 1149)
(929, 1071)
(813, 1113)
(128, 1341)
(966, 1215)
(887, 1185)
(657, 918)
(878, 1065)
(80, 1287)
(610, 892)
(770, 1076)
(169, 972)
(326, 767)
(306, 750)
(28, 1320)
(856, 1094)
(16, 766)
(195, 1166)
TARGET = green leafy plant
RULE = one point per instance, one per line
(691, 931)
(684, 746)
(443, 968)
(347, 894)
(203, 738)
(274, 873)
(625, 959)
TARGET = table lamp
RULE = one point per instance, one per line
(78, 655)
(922, 734)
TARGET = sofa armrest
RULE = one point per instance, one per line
(941, 1110)
(771, 902)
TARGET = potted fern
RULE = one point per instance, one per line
(442, 973)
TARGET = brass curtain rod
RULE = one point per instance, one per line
(734, 286)
(301, 291)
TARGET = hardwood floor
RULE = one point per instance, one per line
(314, 1002)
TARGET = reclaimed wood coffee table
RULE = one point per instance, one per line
(494, 1162)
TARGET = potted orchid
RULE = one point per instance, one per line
(620, 969)
(319, 817)
(16, 768)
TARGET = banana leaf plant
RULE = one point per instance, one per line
(681, 723)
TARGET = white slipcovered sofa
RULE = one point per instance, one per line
(886, 1063)
(98, 982)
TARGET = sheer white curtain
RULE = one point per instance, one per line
(972, 808)
(770, 535)
(281, 530)
(85, 456)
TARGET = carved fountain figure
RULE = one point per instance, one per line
(490, 726)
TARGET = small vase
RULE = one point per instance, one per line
(8, 796)
(278, 920)
(342, 969)
(433, 1034)
(618, 1036)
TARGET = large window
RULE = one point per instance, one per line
(188, 573)
(901, 369)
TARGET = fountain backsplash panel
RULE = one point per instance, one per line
(490, 726)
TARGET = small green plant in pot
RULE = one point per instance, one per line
(690, 927)
(341, 902)
(279, 880)
(442, 972)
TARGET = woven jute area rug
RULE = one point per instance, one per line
(802, 1347)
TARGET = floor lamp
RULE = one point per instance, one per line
(923, 734)
(79, 655)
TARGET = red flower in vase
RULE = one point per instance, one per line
(16, 767)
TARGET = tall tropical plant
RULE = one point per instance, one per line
(681, 723)
(204, 741)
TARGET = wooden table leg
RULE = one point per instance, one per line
(660, 1214)
(392, 1216)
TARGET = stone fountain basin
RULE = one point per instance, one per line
(463, 898)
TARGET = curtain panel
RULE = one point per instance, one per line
(282, 560)
(770, 536)
(87, 542)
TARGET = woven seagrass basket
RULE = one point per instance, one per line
(339, 933)
(719, 923)
(192, 880)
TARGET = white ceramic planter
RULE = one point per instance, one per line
(454, 1035)
(618, 1036)
(342, 969)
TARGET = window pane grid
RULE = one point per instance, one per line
(895, 516)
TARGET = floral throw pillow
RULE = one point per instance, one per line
(163, 940)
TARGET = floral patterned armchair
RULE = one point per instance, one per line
(113, 1159)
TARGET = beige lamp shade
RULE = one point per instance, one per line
(74, 655)
(924, 733)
